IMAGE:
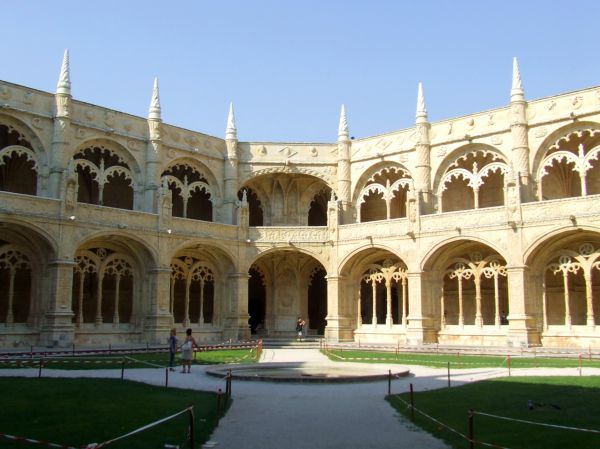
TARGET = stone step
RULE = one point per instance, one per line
(292, 343)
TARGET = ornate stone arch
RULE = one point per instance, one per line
(21, 166)
(124, 154)
(107, 174)
(286, 197)
(194, 189)
(382, 192)
(325, 175)
(16, 269)
(566, 164)
(27, 133)
(463, 178)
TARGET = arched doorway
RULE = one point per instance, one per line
(283, 286)
(317, 302)
(257, 296)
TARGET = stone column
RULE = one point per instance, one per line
(57, 328)
(236, 321)
(158, 319)
(339, 324)
(421, 322)
(522, 328)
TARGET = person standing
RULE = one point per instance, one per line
(172, 348)
(187, 351)
(300, 327)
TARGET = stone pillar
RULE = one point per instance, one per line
(518, 132)
(231, 186)
(522, 328)
(231, 180)
(62, 130)
(339, 323)
(152, 180)
(158, 320)
(421, 321)
(236, 320)
(423, 156)
(344, 181)
(58, 328)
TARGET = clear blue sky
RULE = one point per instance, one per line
(289, 65)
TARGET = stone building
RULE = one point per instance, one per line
(482, 229)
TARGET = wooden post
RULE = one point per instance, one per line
(580, 364)
(412, 404)
(166, 377)
(219, 395)
(41, 365)
(191, 413)
(123, 368)
(508, 364)
(448, 374)
(389, 382)
(471, 430)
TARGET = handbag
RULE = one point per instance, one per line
(186, 346)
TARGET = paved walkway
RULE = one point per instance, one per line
(268, 415)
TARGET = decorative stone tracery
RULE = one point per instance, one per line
(192, 194)
(104, 178)
(565, 169)
(563, 295)
(103, 285)
(384, 273)
(192, 288)
(469, 274)
(19, 164)
(477, 178)
(14, 268)
(385, 195)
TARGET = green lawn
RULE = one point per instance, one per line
(77, 412)
(138, 360)
(458, 361)
(567, 401)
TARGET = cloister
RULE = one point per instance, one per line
(477, 230)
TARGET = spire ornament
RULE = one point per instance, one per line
(421, 110)
(154, 111)
(516, 93)
(231, 131)
(64, 80)
(343, 132)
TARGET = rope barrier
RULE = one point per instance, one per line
(535, 363)
(32, 441)
(141, 429)
(524, 421)
(462, 435)
(143, 362)
(445, 426)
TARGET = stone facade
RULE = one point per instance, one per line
(483, 229)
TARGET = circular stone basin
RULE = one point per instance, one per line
(307, 372)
